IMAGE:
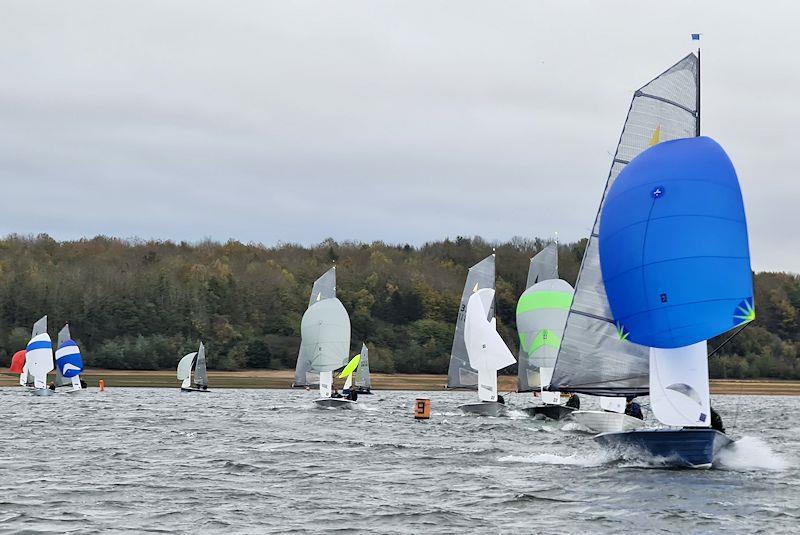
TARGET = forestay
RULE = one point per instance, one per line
(460, 374)
(594, 357)
(324, 288)
(679, 390)
(486, 350)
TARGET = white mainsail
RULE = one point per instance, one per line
(485, 348)
(324, 288)
(325, 337)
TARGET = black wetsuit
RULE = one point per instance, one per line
(573, 402)
(716, 421)
(635, 410)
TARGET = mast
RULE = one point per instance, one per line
(698, 91)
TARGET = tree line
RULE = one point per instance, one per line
(143, 304)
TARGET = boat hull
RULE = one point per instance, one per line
(335, 403)
(693, 448)
(484, 408)
(606, 422)
(194, 390)
(551, 412)
(42, 392)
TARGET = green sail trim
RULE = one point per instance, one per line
(538, 300)
(351, 366)
(545, 337)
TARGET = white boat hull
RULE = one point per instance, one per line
(606, 422)
(334, 403)
(42, 392)
(485, 408)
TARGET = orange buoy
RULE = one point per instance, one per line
(422, 408)
(102, 385)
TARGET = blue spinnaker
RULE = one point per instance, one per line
(673, 246)
(68, 359)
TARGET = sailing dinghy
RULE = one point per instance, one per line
(324, 288)
(324, 346)
(675, 261)
(487, 353)
(541, 314)
(460, 375)
(39, 357)
(194, 362)
(69, 364)
(362, 381)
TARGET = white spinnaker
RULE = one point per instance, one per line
(39, 358)
(325, 384)
(185, 369)
(616, 404)
(679, 390)
(485, 348)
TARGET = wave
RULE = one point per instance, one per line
(750, 453)
(584, 459)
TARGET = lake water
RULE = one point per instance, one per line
(268, 461)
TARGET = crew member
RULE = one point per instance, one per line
(574, 402)
(633, 409)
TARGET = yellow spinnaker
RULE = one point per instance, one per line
(656, 136)
(351, 366)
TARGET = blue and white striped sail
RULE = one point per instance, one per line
(39, 354)
(69, 363)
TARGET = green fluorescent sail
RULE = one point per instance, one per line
(538, 300)
(545, 337)
(351, 366)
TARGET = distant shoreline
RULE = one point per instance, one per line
(277, 379)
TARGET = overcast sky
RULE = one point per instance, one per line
(401, 121)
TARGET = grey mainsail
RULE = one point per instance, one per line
(543, 266)
(200, 371)
(460, 374)
(63, 336)
(325, 332)
(362, 378)
(594, 357)
(324, 288)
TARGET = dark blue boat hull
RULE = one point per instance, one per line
(694, 448)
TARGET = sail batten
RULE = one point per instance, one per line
(460, 374)
(594, 356)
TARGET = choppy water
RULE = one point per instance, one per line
(261, 461)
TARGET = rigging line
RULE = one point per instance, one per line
(731, 337)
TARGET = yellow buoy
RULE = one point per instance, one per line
(102, 385)
(422, 408)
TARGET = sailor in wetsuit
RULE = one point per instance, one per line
(352, 395)
(633, 409)
(716, 421)
(501, 400)
(574, 402)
